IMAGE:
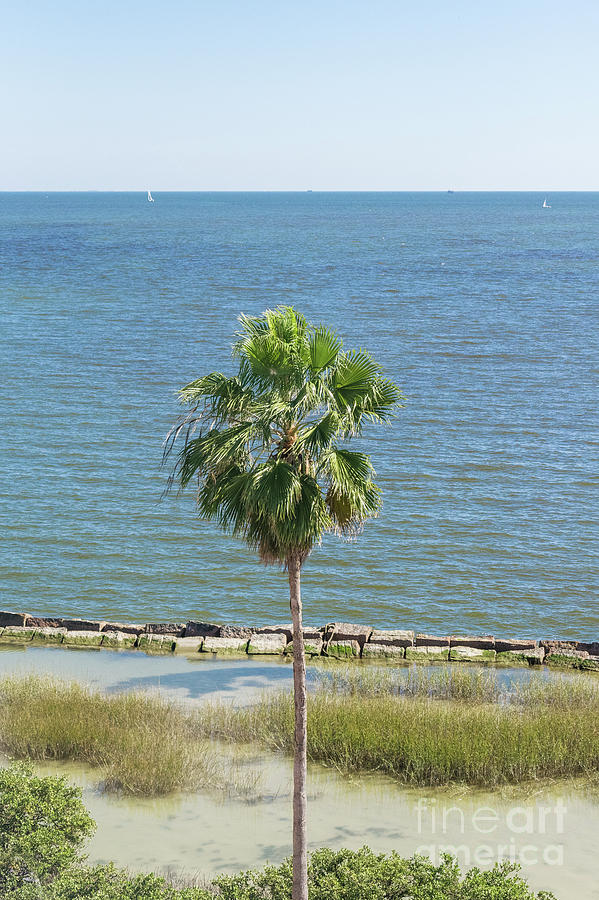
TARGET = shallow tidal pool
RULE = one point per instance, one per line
(553, 830)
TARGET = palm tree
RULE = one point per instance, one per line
(267, 450)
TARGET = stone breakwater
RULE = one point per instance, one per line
(335, 640)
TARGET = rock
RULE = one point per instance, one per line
(83, 638)
(235, 631)
(591, 663)
(345, 631)
(590, 647)
(123, 629)
(42, 622)
(310, 633)
(49, 635)
(287, 630)
(188, 644)
(267, 644)
(16, 634)
(80, 625)
(532, 656)
(312, 647)
(225, 645)
(509, 644)
(201, 629)
(428, 653)
(118, 639)
(9, 618)
(376, 650)
(432, 640)
(342, 649)
(155, 643)
(487, 642)
(555, 646)
(168, 628)
(559, 646)
(471, 654)
(569, 659)
(395, 638)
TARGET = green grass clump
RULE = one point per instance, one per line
(141, 743)
(421, 740)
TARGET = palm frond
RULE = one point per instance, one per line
(213, 450)
(349, 512)
(208, 386)
(381, 402)
(352, 496)
(286, 324)
(348, 470)
(317, 437)
(353, 377)
(324, 346)
(251, 327)
(276, 489)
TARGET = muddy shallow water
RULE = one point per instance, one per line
(552, 829)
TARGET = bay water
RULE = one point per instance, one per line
(484, 307)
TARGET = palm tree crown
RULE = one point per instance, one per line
(267, 445)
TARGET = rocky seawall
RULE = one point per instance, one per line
(335, 640)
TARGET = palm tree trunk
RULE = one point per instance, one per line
(300, 845)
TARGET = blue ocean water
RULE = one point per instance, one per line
(483, 306)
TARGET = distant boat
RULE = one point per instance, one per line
(450, 192)
(545, 204)
(150, 198)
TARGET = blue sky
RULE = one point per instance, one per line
(274, 95)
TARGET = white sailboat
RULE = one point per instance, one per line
(545, 204)
(150, 198)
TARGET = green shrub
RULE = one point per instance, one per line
(333, 875)
(43, 824)
(110, 883)
(364, 875)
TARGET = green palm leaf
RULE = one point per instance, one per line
(324, 347)
(317, 437)
(277, 490)
(354, 377)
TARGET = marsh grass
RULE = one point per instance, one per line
(434, 729)
(426, 727)
(140, 743)
(461, 683)
(443, 683)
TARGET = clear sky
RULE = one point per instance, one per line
(279, 95)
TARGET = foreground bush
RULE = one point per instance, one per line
(43, 824)
(364, 875)
(341, 875)
(105, 883)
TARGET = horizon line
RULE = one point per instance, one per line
(300, 190)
